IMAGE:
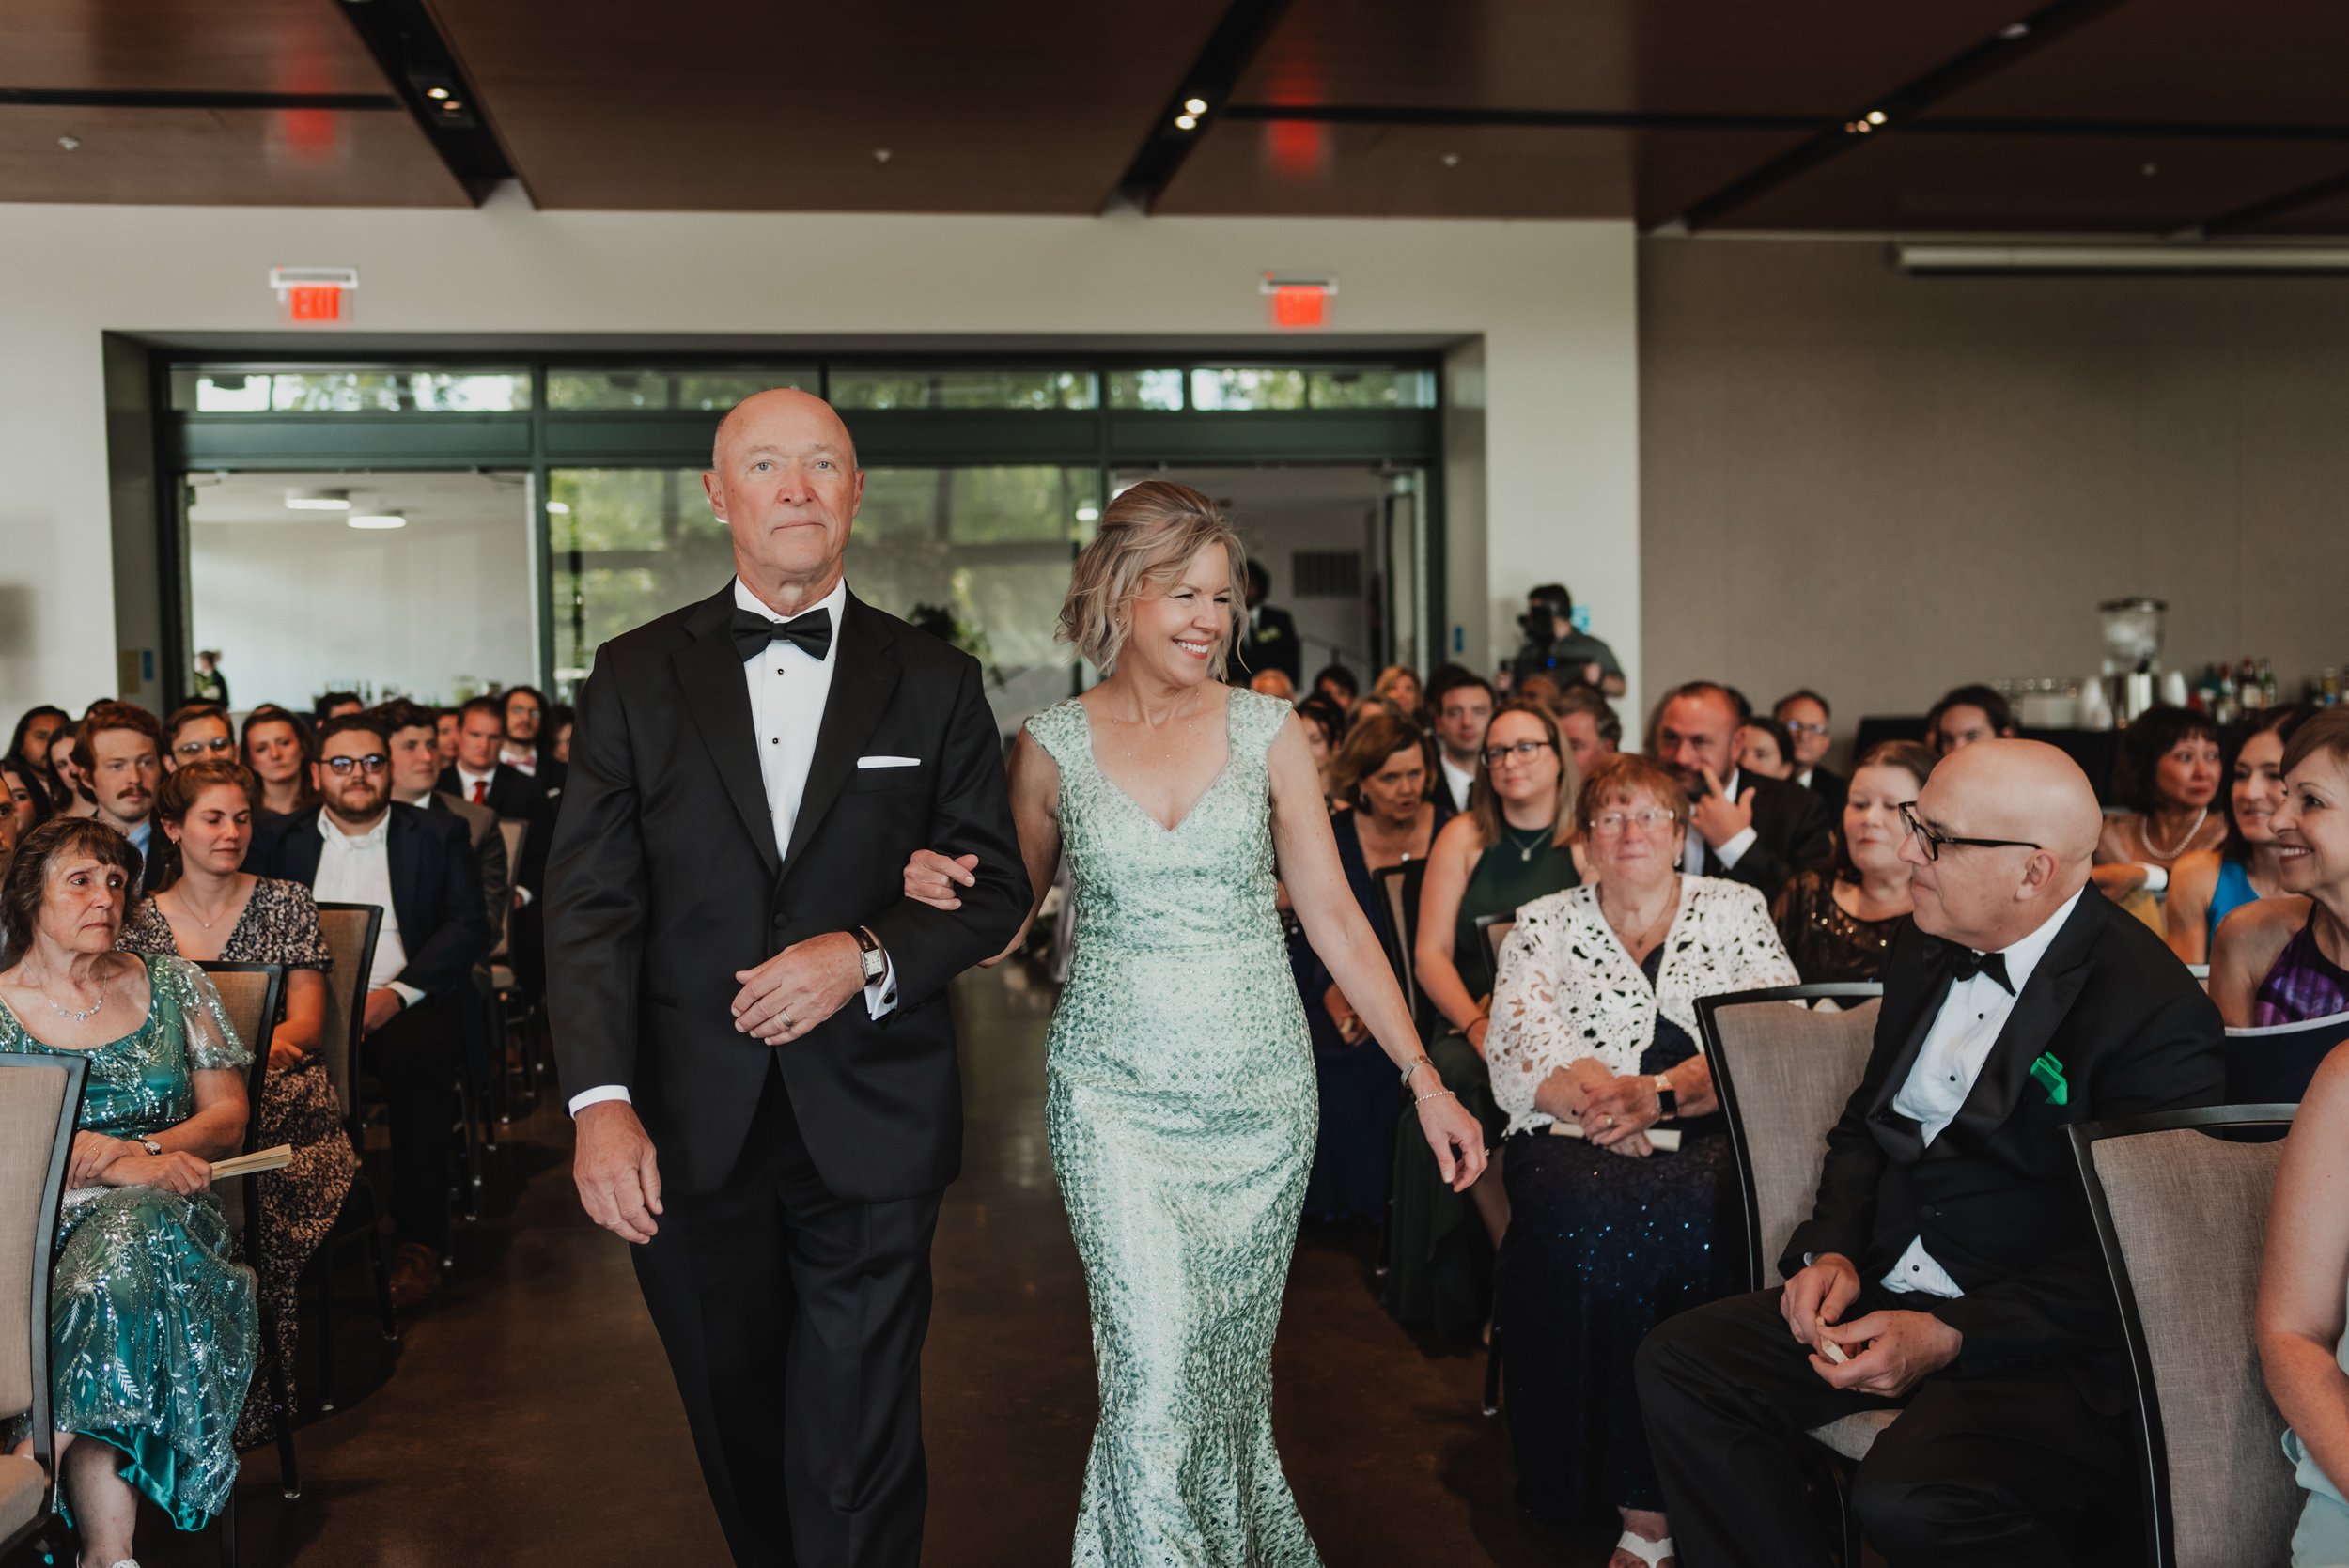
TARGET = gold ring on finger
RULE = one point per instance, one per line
(788, 1024)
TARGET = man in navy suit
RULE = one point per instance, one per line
(360, 846)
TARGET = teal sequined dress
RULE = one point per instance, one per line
(152, 1328)
(1181, 1113)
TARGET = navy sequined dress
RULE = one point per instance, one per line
(153, 1330)
(1601, 1248)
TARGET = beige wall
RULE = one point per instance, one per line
(1882, 485)
(1552, 302)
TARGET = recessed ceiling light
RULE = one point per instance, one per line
(318, 500)
(560, 509)
(881, 155)
(1185, 122)
(1451, 160)
(378, 520)
(452, 105)
(2015, 30)
(1088, 512)
(436, 92)
(68, 143)
(1875, 117)
(1194, 105)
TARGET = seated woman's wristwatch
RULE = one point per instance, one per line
(149, 1144)
(1667, 1098)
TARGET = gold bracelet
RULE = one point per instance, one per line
(1415, 1065)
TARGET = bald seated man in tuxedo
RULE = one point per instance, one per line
(1950, 1255)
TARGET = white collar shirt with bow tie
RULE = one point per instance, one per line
(1957, 1047)
(788, 689)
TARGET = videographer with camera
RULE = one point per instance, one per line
(1554, 647)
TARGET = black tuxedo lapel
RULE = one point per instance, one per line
(1897, 1134)
(711, 671)
(2046, 997)
(863, 674)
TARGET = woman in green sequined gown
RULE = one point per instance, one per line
(152, 1328)
(1181, 1101)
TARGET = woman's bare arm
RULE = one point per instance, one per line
(2186, 912)
(297, 1038)
(2250, 940)
(1450, 863)
(2299, 1321)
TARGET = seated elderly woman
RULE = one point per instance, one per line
(1595, 1035)
(2283, 959)
(206, 906)
(2172, 756)
(1838, 926)
(2304, 1283)
(151, 1326)
(1515, 843)
(2211, 884)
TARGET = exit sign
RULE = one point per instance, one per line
(313, 296)
(1298, 304)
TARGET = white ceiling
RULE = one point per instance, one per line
(430, 501)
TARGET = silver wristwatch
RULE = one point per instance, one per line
(869, 956)
(149, 1144)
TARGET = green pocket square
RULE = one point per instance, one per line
(2048, 1073)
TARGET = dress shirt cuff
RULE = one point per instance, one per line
(880, 997)
(523, 893)
(587, 1097)
(409, 995)
(1734, 850)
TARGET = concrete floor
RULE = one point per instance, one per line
(528, 1416)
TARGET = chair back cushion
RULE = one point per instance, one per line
(1496, 934)
(1398, 890)
(1795, 1069)
(2189, 1212)
(32, 1101)
(2272, 1066)
(349, 931)
(248, 995)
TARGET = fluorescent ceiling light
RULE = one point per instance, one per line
(318, 500)
(378, 520)
(560, 509)
(2139, 259)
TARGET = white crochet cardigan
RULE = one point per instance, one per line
(1568, 990)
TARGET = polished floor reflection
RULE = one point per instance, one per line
(532, 1422)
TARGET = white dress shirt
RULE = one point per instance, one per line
(521, 762)
(1692, 852)
(1461, 779)
(356, 868)
(1949, 1061)
(788, 688)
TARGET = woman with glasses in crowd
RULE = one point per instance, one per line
(151, 1326)
(1595, 1032)
(207, 908)
(197, 732)
(1515, 843)
(279, 748)
(2208, 885)
(1837, 926)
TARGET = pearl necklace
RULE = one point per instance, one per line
(2145, 835)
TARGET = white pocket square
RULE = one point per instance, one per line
(889, 762)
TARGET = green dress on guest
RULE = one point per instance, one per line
(1439, 1263)
(152, 1328)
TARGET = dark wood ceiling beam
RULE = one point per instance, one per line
(2257, 214)
(1641, 119)
(91, 98)
(1231, 48)
(1895, 110)
(424, 73)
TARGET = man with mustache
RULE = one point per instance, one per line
(119, 750)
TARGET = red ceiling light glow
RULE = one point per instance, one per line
(1298, 304)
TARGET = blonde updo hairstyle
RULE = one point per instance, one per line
(1147, 536)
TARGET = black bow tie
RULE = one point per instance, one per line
(1965, 964)
(753, 632)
